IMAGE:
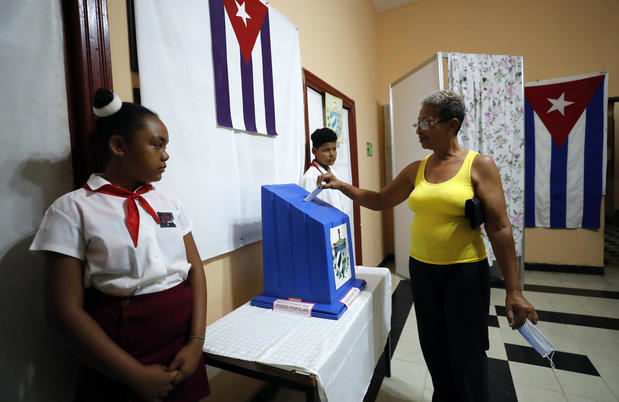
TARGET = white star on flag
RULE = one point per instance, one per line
(559, 104)
(240, 12)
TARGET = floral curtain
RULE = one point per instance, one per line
(494, 123)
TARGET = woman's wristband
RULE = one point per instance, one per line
(197, 337)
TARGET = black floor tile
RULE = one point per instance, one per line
(493, 321)
(377, 380)
(401, 303)
(572, 319)
(562, 360)
(607, 294)
(500, 383)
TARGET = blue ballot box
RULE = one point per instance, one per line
(307, 252)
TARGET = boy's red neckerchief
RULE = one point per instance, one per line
(318, 167)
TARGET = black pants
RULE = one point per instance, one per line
(451, 305)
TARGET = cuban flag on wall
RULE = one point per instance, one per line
(241, 42)
(565, 151)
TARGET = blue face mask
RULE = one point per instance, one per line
(536, 338)
(541, 344)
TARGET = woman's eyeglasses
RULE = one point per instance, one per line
(427, 124)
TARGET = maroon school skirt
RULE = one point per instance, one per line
(152, 328)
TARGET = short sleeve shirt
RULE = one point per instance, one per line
(91, 227)
(308, 182)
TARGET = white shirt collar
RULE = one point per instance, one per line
(96, 181)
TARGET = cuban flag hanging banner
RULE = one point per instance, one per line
(241, 39)
(565, 151)
(214, 95)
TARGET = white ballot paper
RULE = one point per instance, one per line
(313, 194)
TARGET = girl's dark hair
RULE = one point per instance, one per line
(124, 122)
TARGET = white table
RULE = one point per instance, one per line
(328, 359)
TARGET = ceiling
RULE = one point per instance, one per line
(382, 5)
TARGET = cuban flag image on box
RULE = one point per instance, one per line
(241, 39)
(565, 151)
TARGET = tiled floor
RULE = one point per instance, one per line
(579, 313)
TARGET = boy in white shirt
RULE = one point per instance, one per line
(324, 148)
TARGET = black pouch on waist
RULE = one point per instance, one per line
(474, 211)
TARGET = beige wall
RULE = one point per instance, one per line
(351, 67)
(119, 47)
(556, 37)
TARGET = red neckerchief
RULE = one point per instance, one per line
(318, 167)
(133, 216)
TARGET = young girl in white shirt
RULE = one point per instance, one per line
(125, 281)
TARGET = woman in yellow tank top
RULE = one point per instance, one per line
(448, 265)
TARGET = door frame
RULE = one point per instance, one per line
(312, 81)
(88, 66)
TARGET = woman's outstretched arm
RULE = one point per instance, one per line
(388, 197)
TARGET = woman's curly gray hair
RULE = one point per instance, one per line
(450, 104)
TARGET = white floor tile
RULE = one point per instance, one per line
(539, 300)
(409, 372)
(534, 376)
(608, 281)
(594, 349)
(560, 336)
(601, 307)
(410, 352)
(510, 335)
(591, 334)
(411, 321)
(565, 343)
(586, 386)
(575, 398)
(427, 394)
(497, 346)
(597, 342)
(609, 371)
(503, 321)
(429, 384)
(526, 393)
(398, 391)
(568, 303)
(541, 278)
(497, 297)
(410, 335)
(395, 281)
(583, 281)
(553, 329)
